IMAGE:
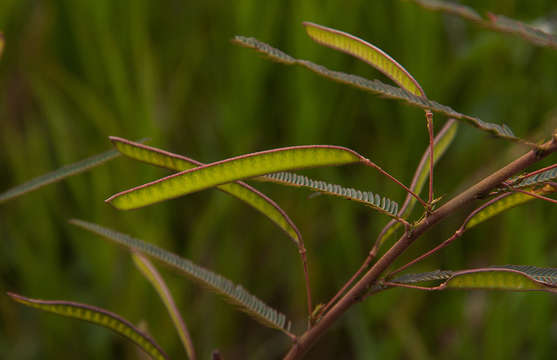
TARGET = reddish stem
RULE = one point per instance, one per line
(375, 166)
(429, 117)
(458, 233)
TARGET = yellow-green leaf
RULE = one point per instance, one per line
(233, 169)
(365, 51)
(151, 274)
(97, 316)
(507, 277)
(239, 189)
(378, 87)
(507, 202)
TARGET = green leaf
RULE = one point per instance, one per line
(365, 51)
(441, 143)
(377, 87)
(237, 168)
(548, 175)
(236, 294)
(240, 190)
(58, 175)
(506, 202)
(495, 22)
(151, 274)
(375, 201)
(97, 316)
(508, 277)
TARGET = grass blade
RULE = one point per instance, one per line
(375, 201)
(441, 143)
(380, 88)
(96, 316)
(508, 277)
(236, 294)
(364, 51)
(229, 170)
(150, 272)
(240, 190)
(58, 175)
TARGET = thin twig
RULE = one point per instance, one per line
(429, 117)
(309, 338)
(541, 197)
(303, 251)
(457, 234)
(375, 166)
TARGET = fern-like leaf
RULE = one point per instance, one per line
(239, 189)
(375, 201)
(58, 175)
(495, 22)
(367, 52)
(379, 88)
(96, 316)
(548, 175)
(507, 202)
(236, 294)
(441, 143)
(507, 277)
(152, 275)
(233, 169)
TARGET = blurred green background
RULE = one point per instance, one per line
(75, 72)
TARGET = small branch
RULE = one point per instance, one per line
(375, 166)
(363, 267)
(429, 117)
(310, 337)
(458, 233)
(303, 251)
(394, 284)
(540, 171)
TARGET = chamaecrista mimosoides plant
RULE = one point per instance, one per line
(502, 190)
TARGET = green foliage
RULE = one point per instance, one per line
(75, 72)
(508, 277)
(238, 168)
(233, 293)
(96, 316)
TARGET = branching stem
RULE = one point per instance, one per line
(310, 337)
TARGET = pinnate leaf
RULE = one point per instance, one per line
(58, 175)
(235, 294)
(508, 277)
(233, 169)
(365, 51)
(495, 22)
(239, 189)
(97, 316)
(507, 202)
(375, 201)
(379, 88)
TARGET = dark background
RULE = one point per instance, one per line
(75, 72)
